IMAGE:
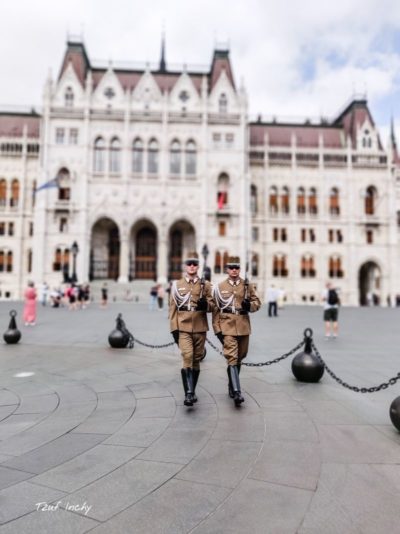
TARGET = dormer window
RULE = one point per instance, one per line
(366, 140)
(69, 97)
(223, 103)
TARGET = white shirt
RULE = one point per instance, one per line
(272, 294)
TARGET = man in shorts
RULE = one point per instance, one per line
(331, 302)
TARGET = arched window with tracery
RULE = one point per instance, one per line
(334, 202)
(69, 97)
(285, 200)
(301, 201)
(9, 265)
(14, 200)
(223, 103)
(307, 268)
(312, 201)
(370, 200)
(254, 265)
(115, 156)
(225, 259)
(273, 200)
(279, 267)
(64, 184)
(3, 192)
(152, 157)
(175, 157)
(218, 263)
(253, 200)
(99, 155)
(335, 267)
(222, 191)
(190, 158)
(137, 156)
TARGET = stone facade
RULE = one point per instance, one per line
(139, 165)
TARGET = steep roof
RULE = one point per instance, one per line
(12, 124)
(77, 56)
(129, 77)
(353, 117)
(306, 135)
(333, 133)
(220, 62)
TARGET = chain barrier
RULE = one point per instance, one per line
(150, 346)
(373, 389)
(261, 364)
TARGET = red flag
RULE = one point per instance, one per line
(221, 200)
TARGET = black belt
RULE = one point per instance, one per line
(187, 308)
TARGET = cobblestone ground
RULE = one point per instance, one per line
(98, 440)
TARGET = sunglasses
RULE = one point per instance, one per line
(234, 267)
(190, 263)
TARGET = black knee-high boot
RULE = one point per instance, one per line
(196, 373)
(187, 381)
(230, 389)
(234, 378)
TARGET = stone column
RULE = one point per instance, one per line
(123, 260)
(162, 260)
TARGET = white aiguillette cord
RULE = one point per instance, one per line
(180, 300)
(222, 302)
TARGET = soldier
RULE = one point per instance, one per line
(190, 300)
(234, 298)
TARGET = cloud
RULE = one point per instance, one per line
(297, 58)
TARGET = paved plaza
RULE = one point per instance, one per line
(98, 440)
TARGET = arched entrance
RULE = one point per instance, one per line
(181, 240)
(104, 250)
(369, 284)
(143, 261)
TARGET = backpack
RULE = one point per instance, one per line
(333, 298)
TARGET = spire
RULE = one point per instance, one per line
(162, 59)
(392, 135)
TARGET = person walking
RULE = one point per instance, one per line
(190, 300)
(234, 299)
(104, 295)
(331, 301)
(160, 297)
(272, 296)
(153, 297)
(30, 305)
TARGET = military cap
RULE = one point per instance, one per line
(233, 261)
(192, 257)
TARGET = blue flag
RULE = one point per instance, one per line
(47, 185)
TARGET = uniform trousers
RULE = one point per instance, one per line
(235, 348)
(192, 348)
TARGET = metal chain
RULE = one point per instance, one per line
(165, 345)
(269, 362)
(373, 389)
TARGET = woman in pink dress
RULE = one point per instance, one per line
(30, 305)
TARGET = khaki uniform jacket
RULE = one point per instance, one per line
(228, 323)
(190, 321)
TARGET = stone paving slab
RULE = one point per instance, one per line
(174, 508)
(108, 430)
(123, 487)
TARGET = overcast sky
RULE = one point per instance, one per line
(297, 58)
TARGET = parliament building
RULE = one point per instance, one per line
(127, 168)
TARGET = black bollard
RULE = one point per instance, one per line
(395, 413)
(119, 337)
(12, 335)
(305, 366)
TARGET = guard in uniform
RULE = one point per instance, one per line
(190, 300)
(234, 299)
